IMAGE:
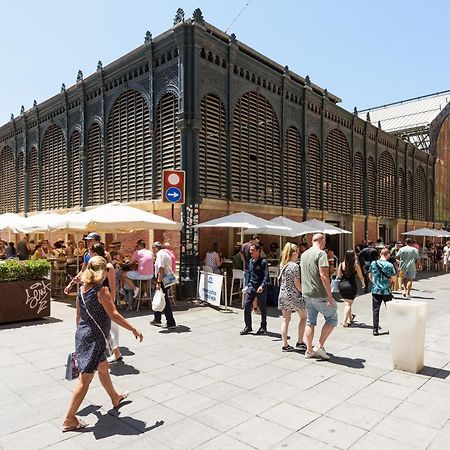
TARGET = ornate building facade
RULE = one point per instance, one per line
(251, 135)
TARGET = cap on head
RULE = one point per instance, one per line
(157, 245)
(93, 236)
(115, 243)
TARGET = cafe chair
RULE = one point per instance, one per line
(238, 275)
(273, 275)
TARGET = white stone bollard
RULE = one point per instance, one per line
(407, 320)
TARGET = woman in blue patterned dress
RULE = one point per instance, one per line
(95, 310)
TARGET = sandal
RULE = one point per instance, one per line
(81, 424)
(287, 348)
(353, 317)
(124, 396)
(346, 325)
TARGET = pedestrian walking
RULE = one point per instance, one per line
(318, 297)
(347, 272)
(366, 256)
(446, 256)
(382, 276)
(408, 257)
(290, 299)
(109, 282)
(258, 280)
(163, 264)
(246, 255)
(95, 311)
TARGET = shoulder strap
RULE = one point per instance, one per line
(108, 344)
(381, 270)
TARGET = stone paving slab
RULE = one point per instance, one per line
(204, 386)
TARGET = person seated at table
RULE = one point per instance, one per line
(274, 251)
(263, 251)
(70, 252)
(46, 249)
(2, 249)
(212, 258)
(37, 254)
(116, 252)
(127, 289)
(144, 259)
(236, 258)
(10, 251)
(60, 254)
(332, 261)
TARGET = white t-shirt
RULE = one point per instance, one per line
(162, 260)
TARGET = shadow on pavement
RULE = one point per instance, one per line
(361, 325)
(179, 329)
(121, 368)
(355, 363)
(434, 372)
(106, 425)
(126, 351)
(29, 323)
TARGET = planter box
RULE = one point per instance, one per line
(24, 300)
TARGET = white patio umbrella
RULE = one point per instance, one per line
(285, 227)
(425, 232)
(243, 221)
(317, 226)
(11, 222)
(42, 222)
(119, 217)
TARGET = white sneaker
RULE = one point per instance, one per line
(136, 291)
(321, 353)
(310, 355)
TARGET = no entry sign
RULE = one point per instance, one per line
(173, 186)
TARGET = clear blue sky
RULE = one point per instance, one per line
(367, 53)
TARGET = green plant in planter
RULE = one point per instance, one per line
(13, 270)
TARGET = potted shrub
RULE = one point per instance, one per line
(24, 290)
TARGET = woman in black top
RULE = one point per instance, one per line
(348, 288)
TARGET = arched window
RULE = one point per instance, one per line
(54, 169)
(33, 180)
(129, 156)
(358, 184)
(420, 194)
(401, 189)
(167, 139)
(386, 186)
(213, 148)
(293, 169)
(21, 180)
(336, 173)
(255, 151)
(76, 166)
(95, 166)
(371, 186)
(410, 196)
(7, 180)
(313, 172)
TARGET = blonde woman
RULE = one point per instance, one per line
(95, 310)
(290, 299)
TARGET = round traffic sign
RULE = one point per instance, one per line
(173, 194)
(173, 178)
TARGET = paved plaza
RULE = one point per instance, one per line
(205, 386)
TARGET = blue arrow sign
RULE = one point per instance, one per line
(173, 194)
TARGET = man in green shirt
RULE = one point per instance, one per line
(408, 257)
(316, 291)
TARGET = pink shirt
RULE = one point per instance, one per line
(172, 258)
(144, 258)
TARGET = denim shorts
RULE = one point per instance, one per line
(319, 305)
(409, 274)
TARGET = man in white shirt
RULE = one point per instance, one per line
(163, 263)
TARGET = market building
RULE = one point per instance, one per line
(250, 134)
